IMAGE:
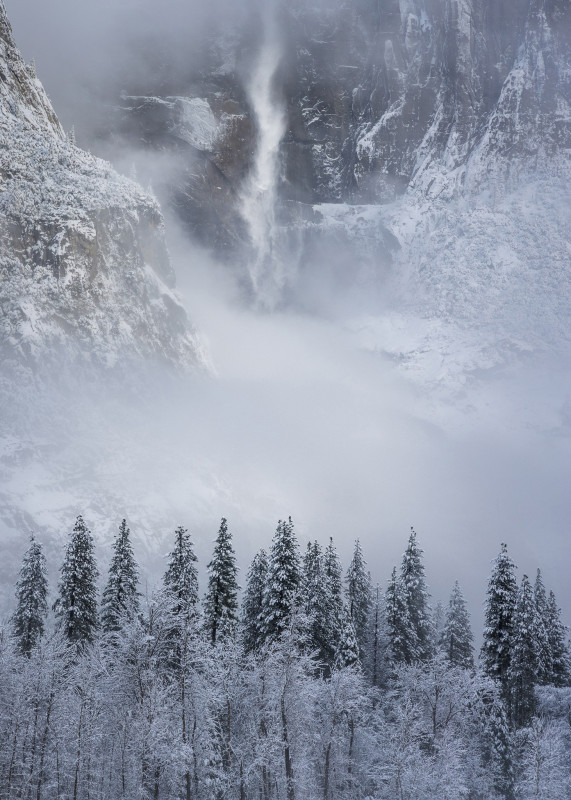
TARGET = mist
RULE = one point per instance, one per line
(302, 412)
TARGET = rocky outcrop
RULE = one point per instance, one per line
(84, 271)
(433, 97)
(416, 88)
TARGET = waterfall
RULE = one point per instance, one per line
(258, 200)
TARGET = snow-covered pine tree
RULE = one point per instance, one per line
(402, 637)
(416, 598)
(377, 656)
(456, 638)
(221, 599)
(253, 602)
(496, 738)
(359, 596)
(523, 669)
(556, 634)
(333, 573)
(181, 578)
(283, 582)
(76, 604)
(347, 653)
(438, 621)
(544, 665)
(314, 601)
(120, 601)
(499, 610)
(31, 596)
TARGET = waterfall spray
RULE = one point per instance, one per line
(259, 196)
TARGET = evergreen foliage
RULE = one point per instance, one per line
(377, 656)
(333, 574)
(283, 582)
(314, 598)
(416, 596)
(359, 596)
(497, 740)
(438, 622)
(402, 639)
(347, 653)
(31, 596)
(559, 652)
(181, 578)
(221, 600)
(524, 661)
(76, 605)
(253, 603)
(499, 611)
(457, 638)
(544, 658)
(165, 714)
(120, 601)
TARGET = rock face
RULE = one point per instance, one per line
(83, 264)
(382, 97)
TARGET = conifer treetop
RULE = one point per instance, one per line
(76, 604)
(253, 602)
(283, 581)
(221, 600)
(499, 611)
(417, 600)
(120, 596)
(181, 578)
(28, 621)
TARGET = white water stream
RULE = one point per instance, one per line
(267, 271)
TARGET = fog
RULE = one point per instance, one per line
(298, 415)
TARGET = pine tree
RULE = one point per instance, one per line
(314, 599)
(283, 582)
(544, 666)
(359, 596)
(438, 622)
(559, 652)
(253, 603)
(499, 611)
(221, 600)
(456, 639)
(347, 653)
(181, 578)
(402, 638)
(76, 605)
(497, 739)
(333, 574)
(416, 597)
(524, 660)
(31, 595)
(377, 655)
(120, 597)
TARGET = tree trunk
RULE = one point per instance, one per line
(12, 760)
(326, 771)
(43, 747)
(157, 783)
(78, 757)
(351, 743)
(242, 786)
(290, 789)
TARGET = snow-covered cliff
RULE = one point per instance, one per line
(84, 268)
